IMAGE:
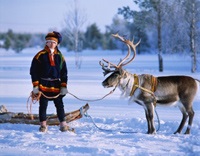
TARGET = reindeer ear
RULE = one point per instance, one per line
(106, 72)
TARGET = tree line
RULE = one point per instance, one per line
(171, 26)
(92, 38)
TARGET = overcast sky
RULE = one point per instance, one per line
(43, 15)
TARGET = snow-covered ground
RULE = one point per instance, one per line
(112, 113)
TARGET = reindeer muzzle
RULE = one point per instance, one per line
(105, 84)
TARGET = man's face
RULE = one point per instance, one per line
(51, 44)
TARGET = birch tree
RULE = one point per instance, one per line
(74, 21)
(192, 17)
(174, 36)
(154, 14)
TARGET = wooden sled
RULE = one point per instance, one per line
(10, 117)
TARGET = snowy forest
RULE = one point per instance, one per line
(164, 27)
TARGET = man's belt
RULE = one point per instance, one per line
(50, 79)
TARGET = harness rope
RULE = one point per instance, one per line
(94, 99)
(35, 98)
(153, 87)
(110, 130)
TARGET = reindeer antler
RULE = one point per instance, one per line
(107, 69)
(130, 46)
(133, 46)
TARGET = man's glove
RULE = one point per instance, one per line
(63, 91)
(35, 90)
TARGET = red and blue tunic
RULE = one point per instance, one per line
(49, 71)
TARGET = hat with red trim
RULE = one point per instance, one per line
(54, 36)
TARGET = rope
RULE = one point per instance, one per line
(101, 129)
(29, 105)
(158, 128)
(94, 99)
(148, 91)
(35, 98)
(110, 130)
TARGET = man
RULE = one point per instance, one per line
(49, 76)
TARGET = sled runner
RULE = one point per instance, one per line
(10, 117)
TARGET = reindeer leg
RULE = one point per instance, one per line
(184, 118)
(148, 121)
(149, 111)
(191, 116)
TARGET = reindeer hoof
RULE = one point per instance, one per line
(176, 132)
(187, 132)
(154, 132)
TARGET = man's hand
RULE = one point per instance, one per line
(63, 91)
(35, 90)
(35, 94)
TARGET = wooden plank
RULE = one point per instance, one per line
(10, 117)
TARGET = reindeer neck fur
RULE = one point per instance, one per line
(126, 83)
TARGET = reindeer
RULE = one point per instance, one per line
(149, 91)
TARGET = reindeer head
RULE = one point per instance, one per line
(117, 73)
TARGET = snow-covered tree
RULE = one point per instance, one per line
(74, 21)
(192, 17)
